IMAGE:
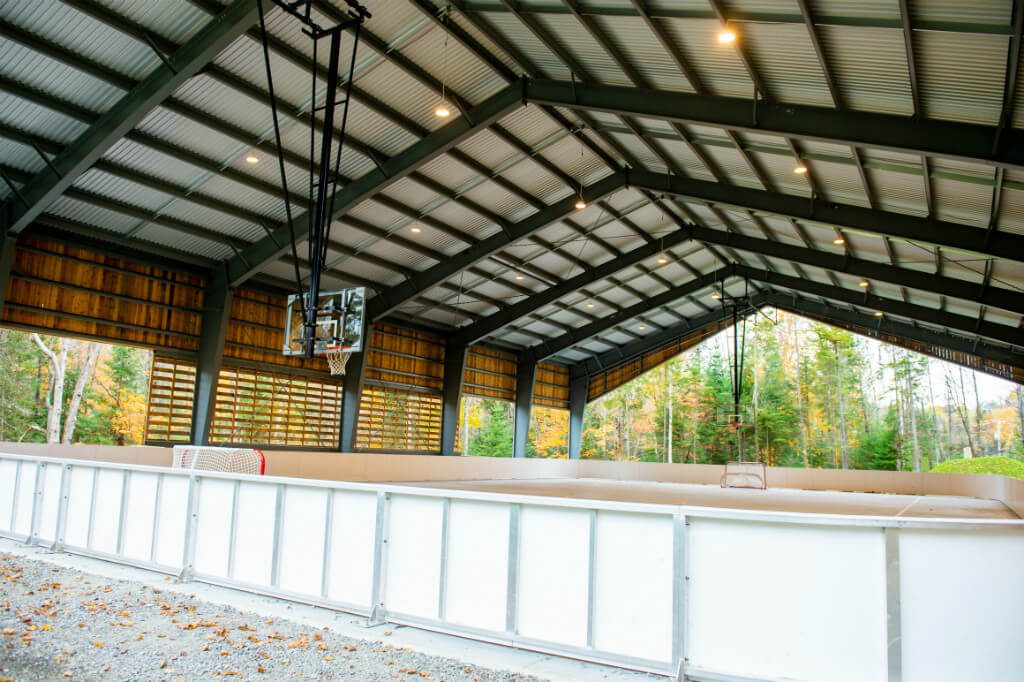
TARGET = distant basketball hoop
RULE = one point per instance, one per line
(734, 416)
(337, 329)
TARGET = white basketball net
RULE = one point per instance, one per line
(337, 359)
(208, 458)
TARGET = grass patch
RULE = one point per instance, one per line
(1003, 466)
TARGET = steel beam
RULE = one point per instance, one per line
(64, 169)
(932, 137)
(1004, 299)
(884, 223)
(488, 325)
(216, 316)
(611, 358)
(256, 256)
(526, 374)
(576, 336)
(919, 313)
(578, 388)
(393, 297)
(872, 326)
(454, 369)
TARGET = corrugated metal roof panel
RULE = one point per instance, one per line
(489, 149)
(961, 75)
(520, 36)
(899, 192)
(181, 132)
(230, 191)
(644, 52)
(89, 214)
(535, 179)
(470, 27)
(398, 90)
(685, 158)
(733, 165)
(962, 202)
(1011, 211)
(780, 170)
(719, 66)
(499, 200)
(460, 70)
(126, 153)
(855, 9)
(177, 20)
(244, 58)
(785, 59)
(50, 76)
(840, 182)
(214, 220)
(576, 159)
(20, 156)
(870, 67)
(531, 125)
(82, 35)
(117, 188)
(974, 12)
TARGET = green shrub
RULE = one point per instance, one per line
(1004, 466)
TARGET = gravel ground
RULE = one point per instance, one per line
(57, 623)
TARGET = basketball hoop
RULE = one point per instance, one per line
(337, 357)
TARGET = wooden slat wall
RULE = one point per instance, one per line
(400, 409)
(489, 374)
(398, 420)
(619, 374)
(256, 332)
(61, 288)
(257, 407)
(551, 386)
(171, 392)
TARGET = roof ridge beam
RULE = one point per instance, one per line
(574, 337)
(933, 137)
(883, 223)
(133, 106)
(257, 255)
(393, 297)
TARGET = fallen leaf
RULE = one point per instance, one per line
(98, 644)
(328, 657)
(260, 669)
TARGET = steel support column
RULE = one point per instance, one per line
(352, 393)
(7, 249)
(526, 373)
(215, 318)
(454, 368)
(577, 404)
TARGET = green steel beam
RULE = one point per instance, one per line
(864, 299)
(391, 298)
(933, 137)
(115, 123)
(942, 233)
(256, 256)
(577, 336)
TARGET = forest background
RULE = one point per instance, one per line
(813, 395)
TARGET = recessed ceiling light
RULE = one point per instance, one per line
(726, 36)
(717, 296)
(838, 241)
(590, 305)
(662, 259)
(641, 327)
(252, 158)
(442, 110)
(800, 169)
(520, 277)
(580, 204)
(863, 283)
(879, 313)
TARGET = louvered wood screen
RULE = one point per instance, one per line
(551, 386)
(489, 374)
(256, 407)
(399, 420)
(171, 392)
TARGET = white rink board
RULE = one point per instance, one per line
(962, 603)
(770, 595)
(554, 546)
(787, 601)
(476, 584)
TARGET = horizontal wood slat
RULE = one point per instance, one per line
(399, 420)
(551, 386)
(172, 385)
(489, 374)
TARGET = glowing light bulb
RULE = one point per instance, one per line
(717, 296)
(863, 283)
(800, 170)
(879, 313)
(252, 158)
(415, 229)
(838, 241)
(580, 204)
(520, 277)
(442, 111)
(726, 36)
(662, 259)
(641, 327)
(590, 305)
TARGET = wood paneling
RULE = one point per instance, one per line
(489, 374)
(172, 386)
(551, 386)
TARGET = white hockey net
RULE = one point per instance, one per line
(208, 458)
(745, 475)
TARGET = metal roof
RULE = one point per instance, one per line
(490, 234)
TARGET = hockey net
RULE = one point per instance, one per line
(208, 458)
(745, 475)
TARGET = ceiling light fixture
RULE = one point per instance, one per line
(715, 295)
(726, 36)
(641, 327)
(662, 259)
(252, 158)
(590, 305)
(879, 313)
(415, 229)
(800, 169)
(580, 203)
(863, 283)
(520, 277)
(442, 110)
(838, 241)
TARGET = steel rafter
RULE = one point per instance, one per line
(865, 299)
(933, 137)
(62, 171)
(575, 337)
(942, 233)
